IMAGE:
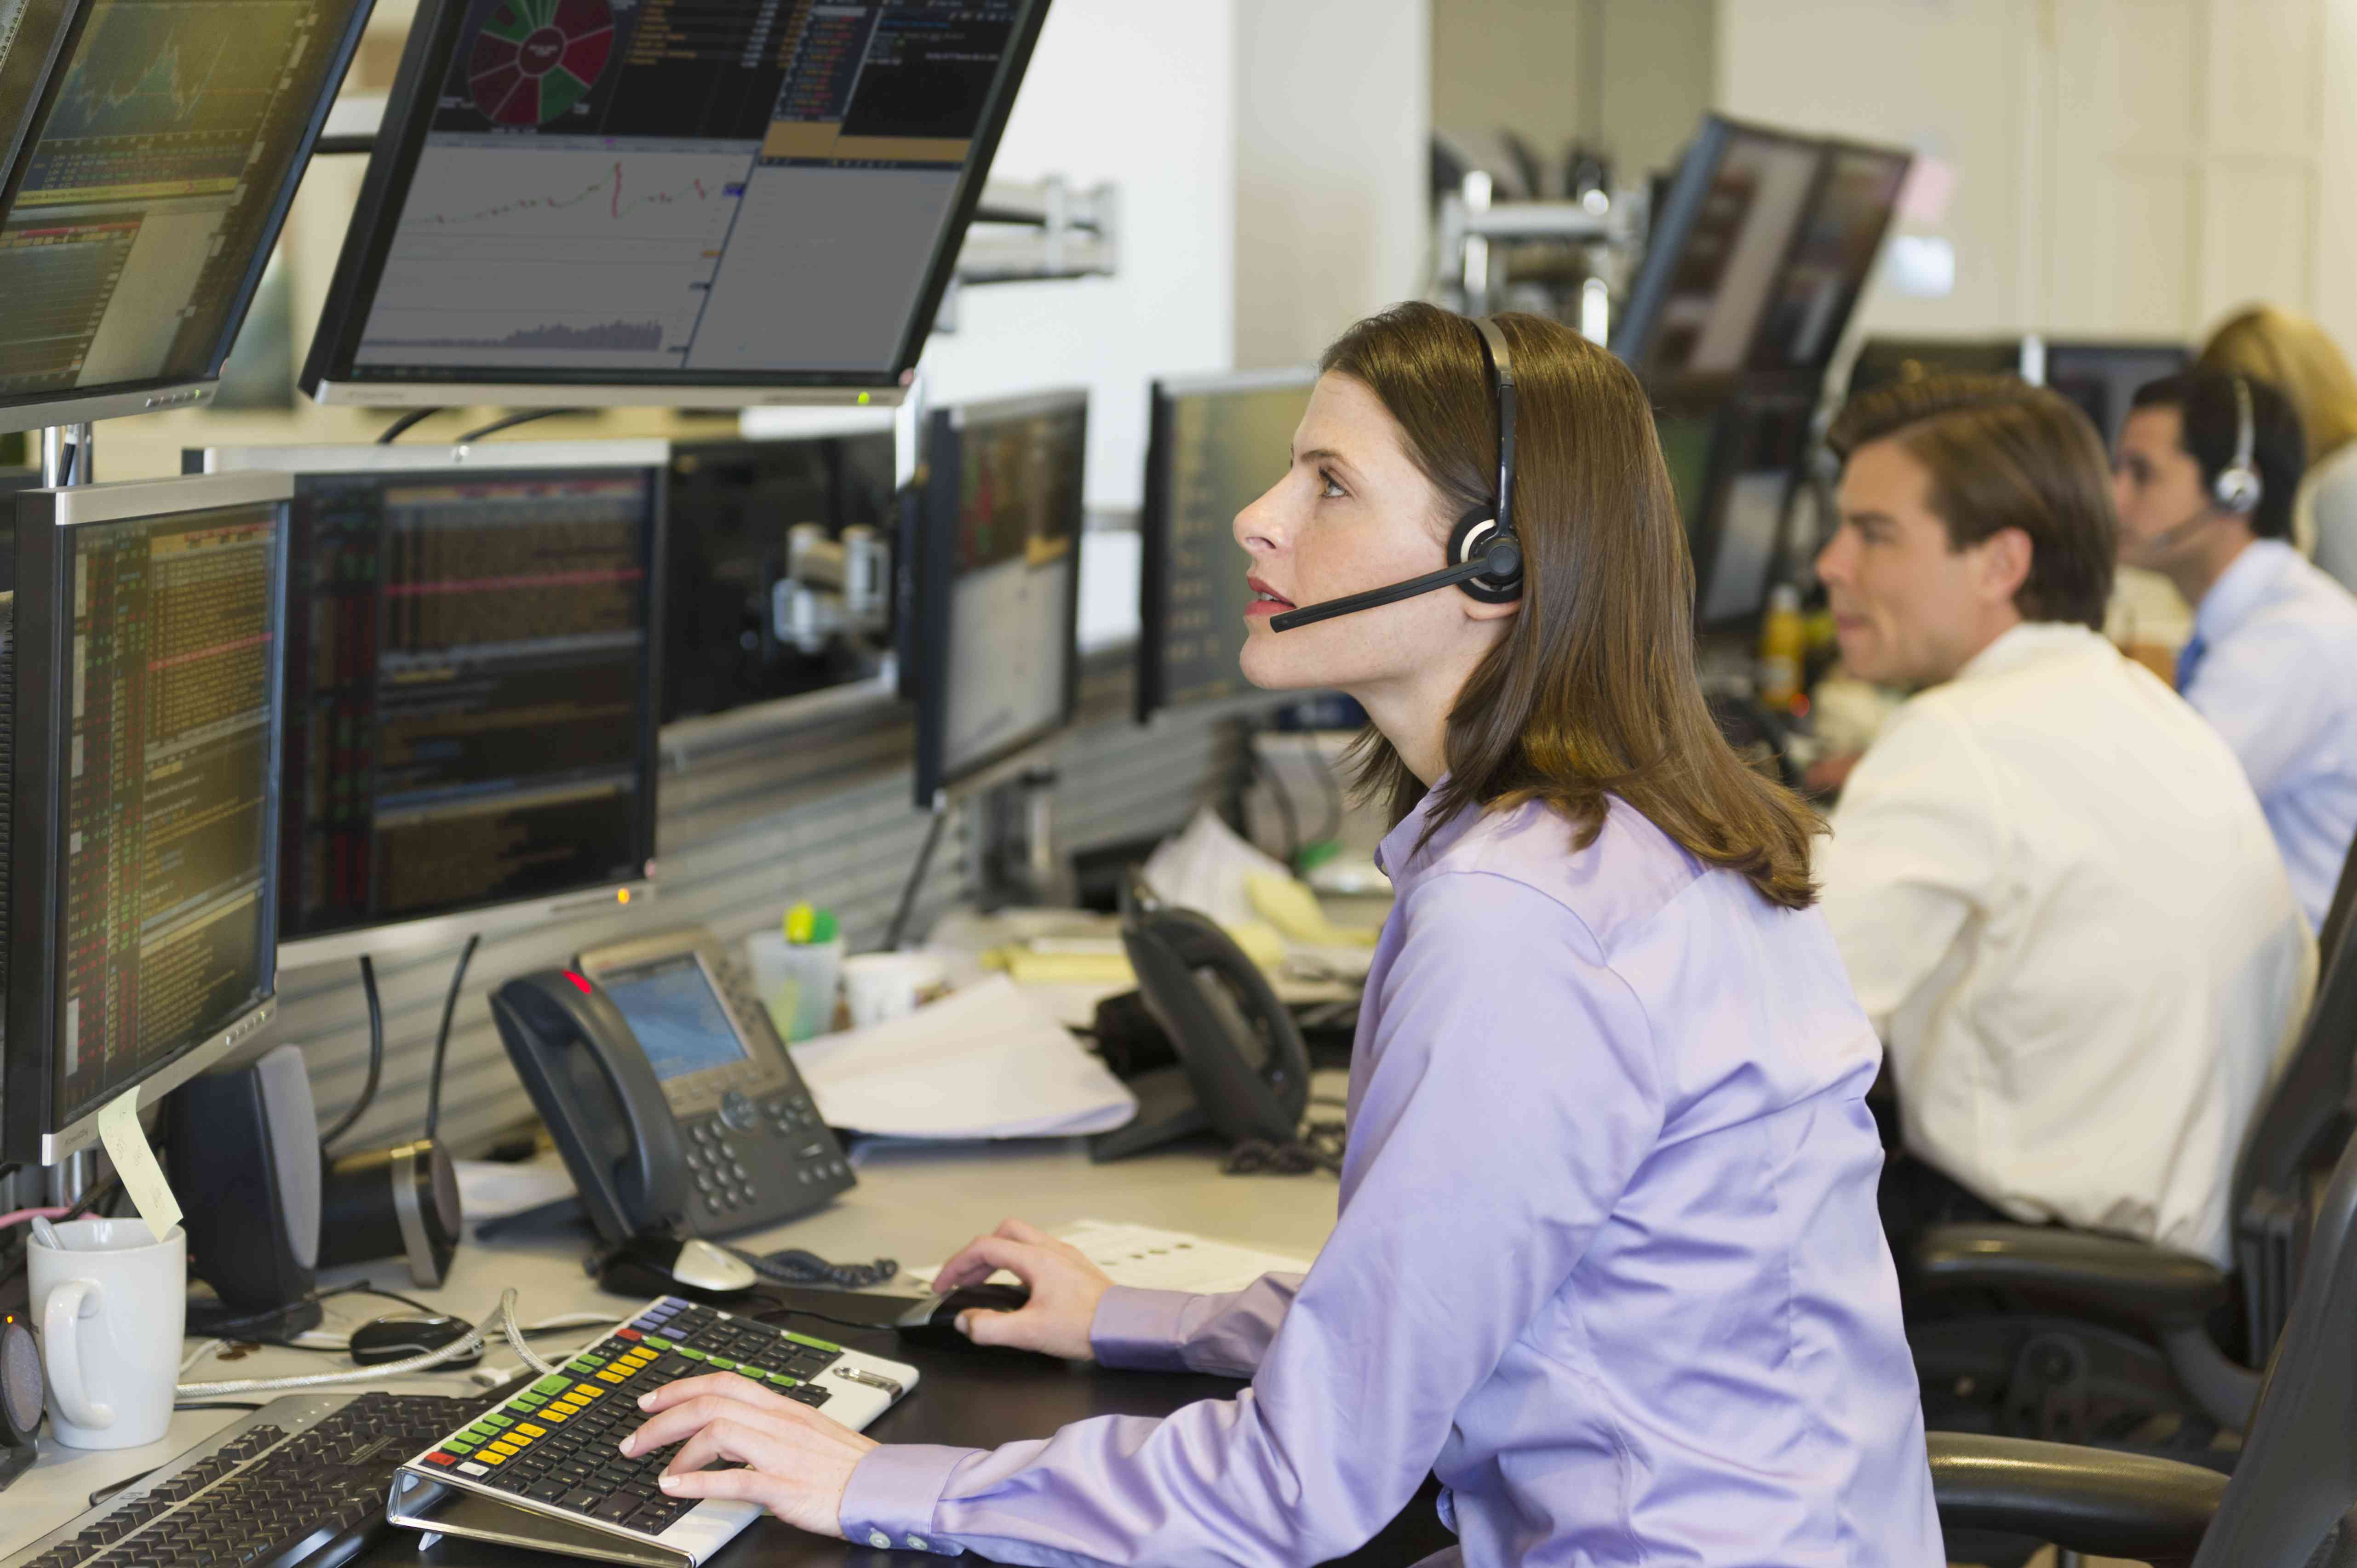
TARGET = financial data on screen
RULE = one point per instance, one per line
(166, 788)
(681, 185)
(468, 693)
(155, 185)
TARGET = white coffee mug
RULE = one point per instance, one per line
(881, 986)
(111, 1304)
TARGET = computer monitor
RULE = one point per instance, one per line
(1713, 261)
(733, 507)
(473, 679)
(2103, 377)
(1739, 538)
(33, 34)
(1832, 257)
(998, 584)
(1214, 444)
(616, 202)
(155, 174)
(143, 675)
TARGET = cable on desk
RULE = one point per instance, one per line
(1319, 1148)
(376, 1057)
(442, 1036)
(502, 1320)
(795, 1267)
(772, 1314)
(908, 905)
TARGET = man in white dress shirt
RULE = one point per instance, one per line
(2208, 469)
(2048, 879)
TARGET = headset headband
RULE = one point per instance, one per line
(1500, 360)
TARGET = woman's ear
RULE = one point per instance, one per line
(1481, 609)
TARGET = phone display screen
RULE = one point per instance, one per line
(677, 1018)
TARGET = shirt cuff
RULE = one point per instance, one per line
(893, 1494)
(1140, 1329)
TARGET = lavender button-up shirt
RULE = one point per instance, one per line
(1607, 1262)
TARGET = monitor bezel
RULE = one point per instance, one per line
(446, 927)
(75, 405)
(1733, 420)
(935, 576)
(1154, 515)
(332, 375)
(32, 1128)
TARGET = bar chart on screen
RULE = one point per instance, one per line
(603, 247)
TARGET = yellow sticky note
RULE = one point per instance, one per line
(135, 1162)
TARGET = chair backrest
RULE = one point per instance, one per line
(2296, 1478)
(2293, 1143)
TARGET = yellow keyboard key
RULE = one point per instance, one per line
(588, 1391)
(532, 1429)
(610, 1377)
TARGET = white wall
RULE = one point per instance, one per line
(1333, 118)
(1144, 96)
(1942, 75)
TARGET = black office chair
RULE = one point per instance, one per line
(2290, 1503)
(2117, 1332)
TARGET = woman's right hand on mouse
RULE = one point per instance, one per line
(1065, 1289)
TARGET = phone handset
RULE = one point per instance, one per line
(556, 1022)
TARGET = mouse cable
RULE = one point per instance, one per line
(794, 1266)
(501, 1320)
(772, 1313)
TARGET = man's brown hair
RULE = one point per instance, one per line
(1591, 691)
(2004, 454)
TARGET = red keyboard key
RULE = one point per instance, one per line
(438, 1458)
(626, 1334)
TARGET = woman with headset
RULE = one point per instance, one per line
(1607, 1259)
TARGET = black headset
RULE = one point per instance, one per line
(1485, 554)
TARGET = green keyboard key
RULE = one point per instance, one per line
(814, 1343)
(782, 1379)
(693, 1354)
(554, 1383)
(496, 1418)
(457, 1445)
(721, 1363)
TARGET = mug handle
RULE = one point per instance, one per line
(71, 1301)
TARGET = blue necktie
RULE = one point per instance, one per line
(2189, 659)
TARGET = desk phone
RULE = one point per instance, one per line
(668, 1091)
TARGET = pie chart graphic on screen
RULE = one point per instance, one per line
(533, 60)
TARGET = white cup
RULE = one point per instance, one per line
(881, 986)
(112, 1304)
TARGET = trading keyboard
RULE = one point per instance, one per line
(552, 1451)
(301, 1480)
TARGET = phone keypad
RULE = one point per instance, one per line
(733, 1160)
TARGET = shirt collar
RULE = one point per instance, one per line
(2028, 643)
(1399, 858)
(2241, 587)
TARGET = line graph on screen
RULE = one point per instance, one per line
(144, 69)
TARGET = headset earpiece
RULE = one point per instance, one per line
(1475, 536)
(2238, 488)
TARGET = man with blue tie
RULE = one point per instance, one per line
(2208, 467)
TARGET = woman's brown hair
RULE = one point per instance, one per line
(1591, 691)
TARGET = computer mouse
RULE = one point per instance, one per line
(665, 1265)
(934, 1323)
(404, 1335)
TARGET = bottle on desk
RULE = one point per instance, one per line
(798, 972)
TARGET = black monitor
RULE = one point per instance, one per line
(1735, 465)
(33, 35)
(1718, 239)
(1832, 257)
(734, 506)
(2102, 377)
(1760, 250)
(143, 678)
(637, 202)
(473, 679)
(154, 175)
(1214, 444)
(997, 625)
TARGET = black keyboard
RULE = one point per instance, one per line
(554, 1445)
(302, 1480)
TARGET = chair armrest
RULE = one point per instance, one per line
(2090, 1500)
(2133, 1278)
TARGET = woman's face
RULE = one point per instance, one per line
(1352, 514)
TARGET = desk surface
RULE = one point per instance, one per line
(918, 1205)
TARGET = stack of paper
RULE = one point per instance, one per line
(1146, 1259)
(984, 1062)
